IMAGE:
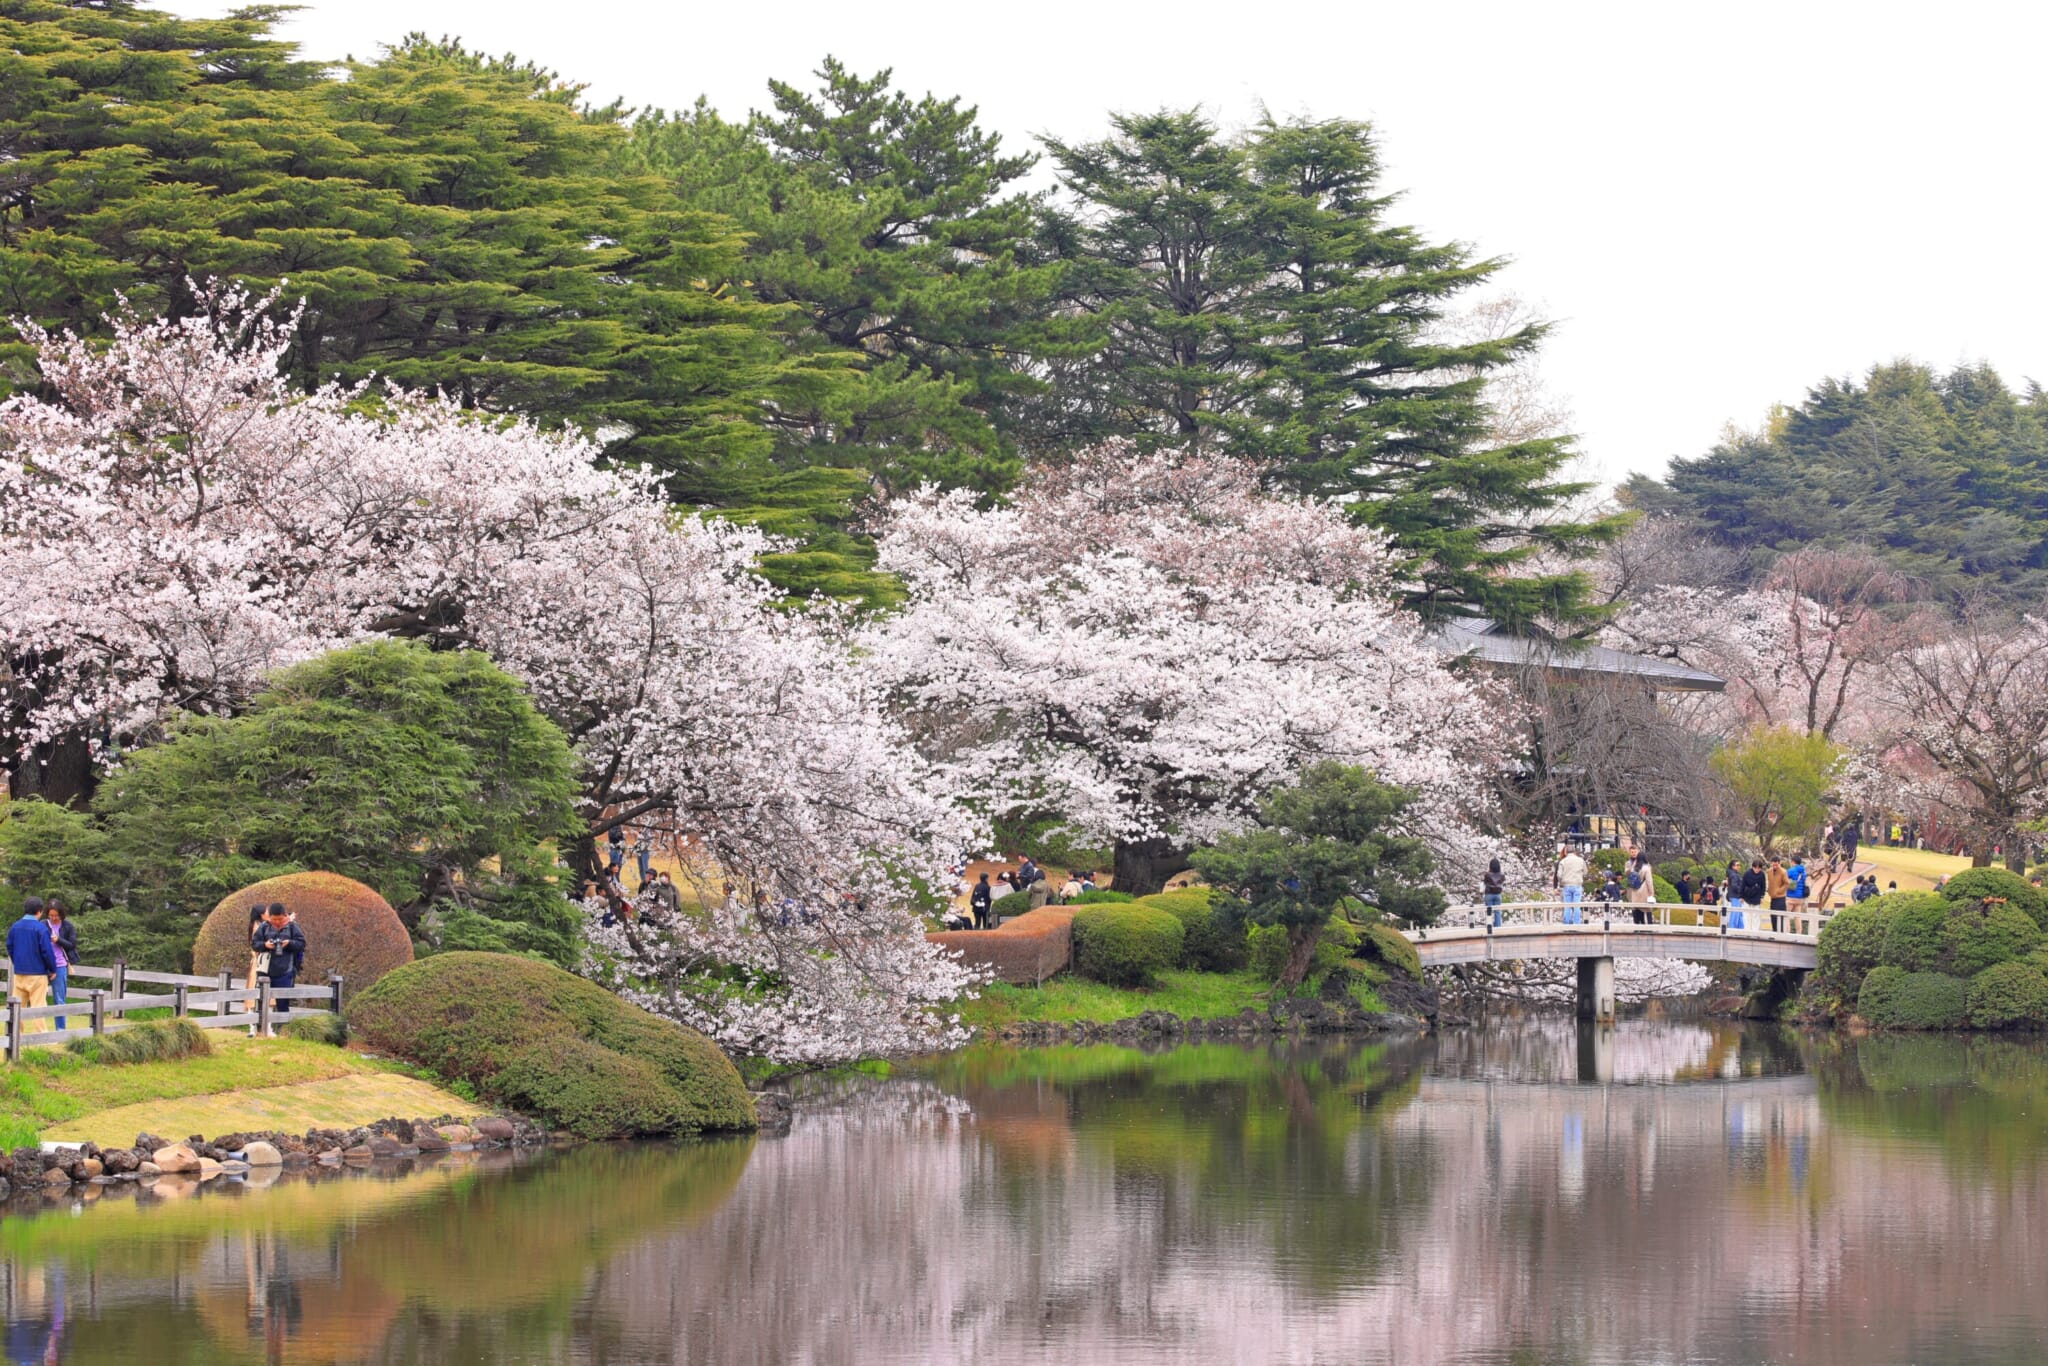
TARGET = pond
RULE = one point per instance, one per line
(1528, 1192)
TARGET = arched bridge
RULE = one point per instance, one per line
(1606, 932)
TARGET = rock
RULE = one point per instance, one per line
(231, 1167)
(148, 1169)
(383, 1145)
(362, 1152)
(455, 1133)
(86, 1168)
(176, 1158)
(773, 1112)
(261, 1154)
(208, 1169)
(25, 1166)
(330, 1158)
(496, 1128)
(119, 1160)
(56, 1176)
(149, 1143)
(430, 1142)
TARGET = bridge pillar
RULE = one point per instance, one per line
(1596, 990)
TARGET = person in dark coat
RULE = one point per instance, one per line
(981, 898)
(286, 945)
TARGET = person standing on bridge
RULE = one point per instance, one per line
(1755, 884)
(1795, 888)
(1571, 882)
(1491, 886)
(1776, 884)
(1642, 887)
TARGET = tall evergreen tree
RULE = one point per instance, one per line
(1251, 292)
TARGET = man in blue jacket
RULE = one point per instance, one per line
(34, 960)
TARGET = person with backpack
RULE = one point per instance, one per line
(1642, 888)
(1491, 886)
(981, 899)
(1795, 890)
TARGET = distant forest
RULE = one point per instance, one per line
(1944, 475)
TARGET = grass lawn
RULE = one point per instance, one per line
(245, 1083)
(1068, 999)
(1913, 869)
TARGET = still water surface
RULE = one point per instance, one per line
(1660, 1193)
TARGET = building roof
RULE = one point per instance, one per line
(1487, 642)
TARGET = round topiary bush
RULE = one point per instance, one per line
(1893, 998)
(1125, 945)
(1209, 941)
(469, 1016)
(1983, 934)
(349, 929)
(1009, 904)
(1851, 943)
(2008, 996)
(1666, 893)
(1976, 884)
(1912, 938)
(590, 1091)
(1391, 949)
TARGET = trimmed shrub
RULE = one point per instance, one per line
(1125, 945)
(1604, 861)
(591, 1091)
(1851, 944)
(1023, 951)
(1666, 893)
(1976, 884)
(1390, 948)
(1101, 896)
(1913, 938)
(1009, 904)
(1983, 934)
(1893, 998)
(2007, 996)
(349, 929)
(1209, 942)
(325, 1028)
(468, 1016)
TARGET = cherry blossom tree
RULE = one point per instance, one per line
(176, 522)
(1143, 645)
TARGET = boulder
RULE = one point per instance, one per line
(496, 1128)
(208, 1169)
(430, 1142)
(382, 1145)
(148, 1169)
(261, 1154)
(175, 1159)
(231, 1167)
(56, 1176)
(149, 1143)
(773, 1112)
(86, 1168)
(456, 1133)
(360, 1153)
(120, 1160)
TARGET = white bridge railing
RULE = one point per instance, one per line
(1597, 915)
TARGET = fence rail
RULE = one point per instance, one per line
(1755, 919)
(226, 1003)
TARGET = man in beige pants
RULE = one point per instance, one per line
(34, 961)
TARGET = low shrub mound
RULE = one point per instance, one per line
(1913, 938)
(1101, 896)
(1998, 884)
(349, 929)
(1851, 944)
(1209, 941)
(1126, 945)
(482, 1017)
(1009, 904)
(2008, 996)
(1893, 998)
(1387, 946)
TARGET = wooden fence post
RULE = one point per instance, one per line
(99, 1012)
(178, 991)
(14, 1028)
(120, 987)
(263, 1003)
(227, 979)
(334, 986)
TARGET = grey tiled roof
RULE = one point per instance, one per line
(1485, 641)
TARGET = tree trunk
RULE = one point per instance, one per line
(60, 771)
(1301, 951)
(1980, 854)
(1142, 866)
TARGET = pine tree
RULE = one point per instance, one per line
(1252, 293)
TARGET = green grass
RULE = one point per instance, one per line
(1071, 1000)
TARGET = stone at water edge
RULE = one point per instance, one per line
(261, 1154)
(496, 1128)
(175, 1159)
(456, 1133)
(86, 1168)
(148, 1169)
(56, 1176)
(208, 1169)
(233, 1168)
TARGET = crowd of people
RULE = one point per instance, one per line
(982, 893)
(41, 947)
(1775, 891)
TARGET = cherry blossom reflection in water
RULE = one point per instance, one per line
(1529, 1193)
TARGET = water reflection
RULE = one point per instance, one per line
(1530, 1193)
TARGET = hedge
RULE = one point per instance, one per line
(1977, 884)
(1125, 945)
(1913, 939)
(1851, 944)
(1390, 948)
(591, 1091)
(470, 1016)
(1009, 904)
(1893, 998)
(1023, 951)
(1982, 934)
(2008, 995)
(1210, 942)
(349, 929)
(1101, 896)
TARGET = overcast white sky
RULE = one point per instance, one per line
(1719, 205)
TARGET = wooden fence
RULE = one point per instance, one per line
(210, 1002)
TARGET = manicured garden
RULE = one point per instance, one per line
(1970, 956)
